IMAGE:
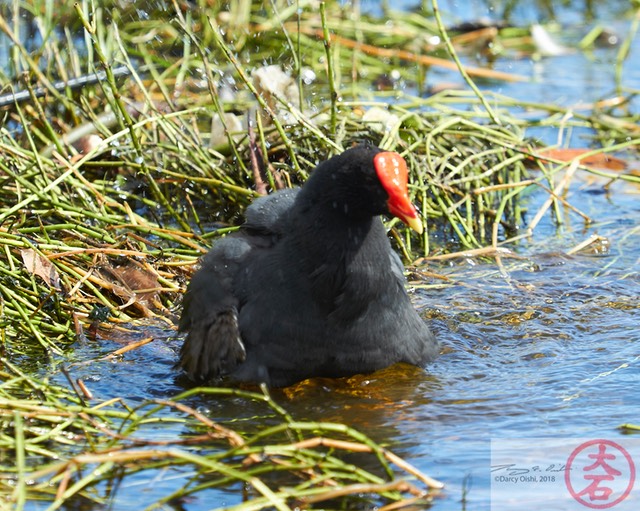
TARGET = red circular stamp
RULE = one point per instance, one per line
(599, 474)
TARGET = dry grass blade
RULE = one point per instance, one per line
(313, 471)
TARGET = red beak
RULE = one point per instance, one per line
(394, 176)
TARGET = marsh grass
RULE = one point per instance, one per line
(109, 441)
(111, 191)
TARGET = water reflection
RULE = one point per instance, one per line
(547, 346)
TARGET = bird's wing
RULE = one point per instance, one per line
(268, 214)
(214, 346)
(210, 313)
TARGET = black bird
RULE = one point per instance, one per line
(309, 286)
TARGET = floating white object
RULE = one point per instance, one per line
(545, 45)
(276, 86)
(380, 119)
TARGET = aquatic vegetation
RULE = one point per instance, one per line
(132, 138)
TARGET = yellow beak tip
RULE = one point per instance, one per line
(416, 224)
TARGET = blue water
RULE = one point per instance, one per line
(575, 80)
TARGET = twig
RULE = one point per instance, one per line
(426, 60)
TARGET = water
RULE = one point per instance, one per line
(546, 346)
(574, 80)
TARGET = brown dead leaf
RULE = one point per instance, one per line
(133, 282)
(37, 264)
(599, 160)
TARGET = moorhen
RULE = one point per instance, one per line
(309, 286)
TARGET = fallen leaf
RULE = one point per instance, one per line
(598, 160)
(37, 264)
(133, 282)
